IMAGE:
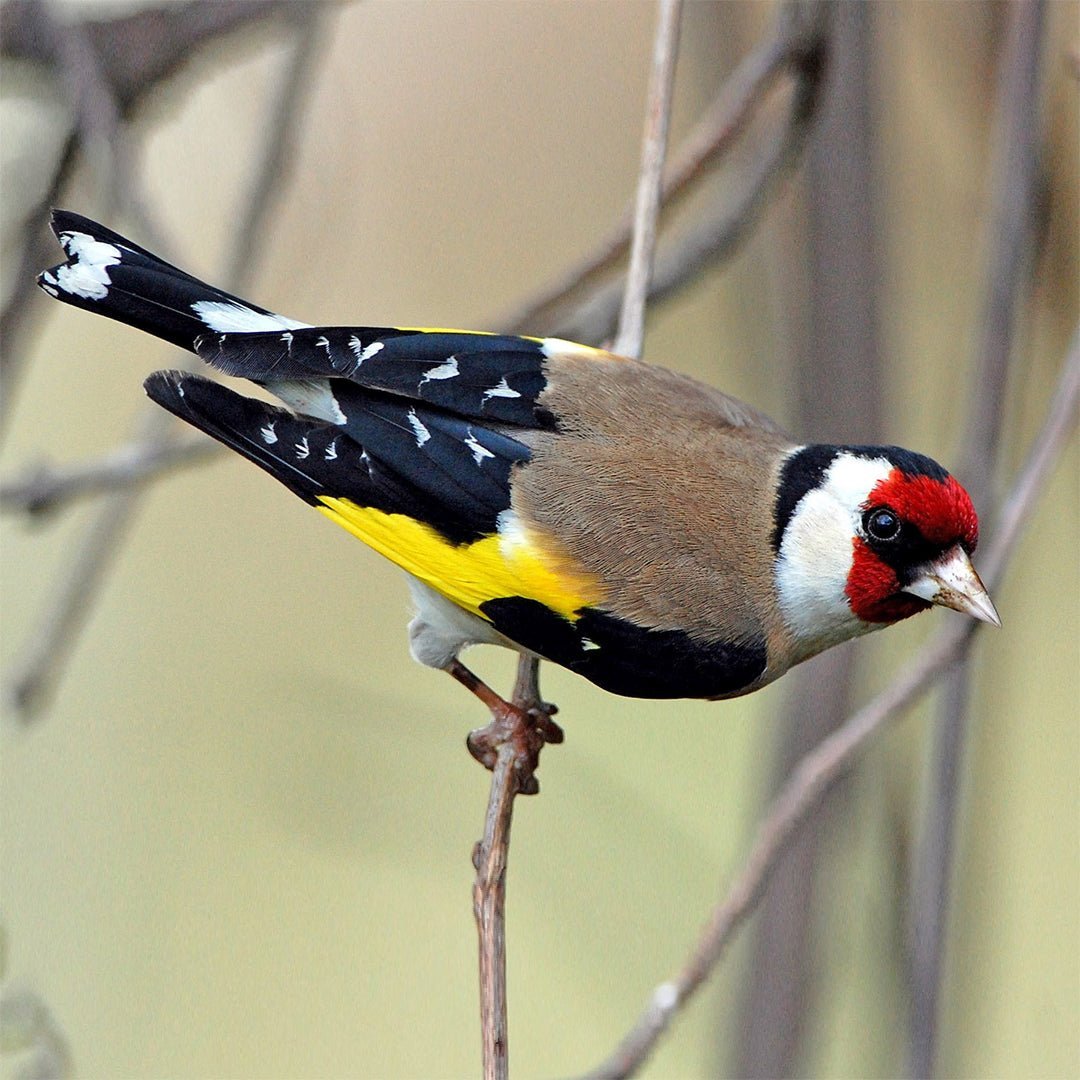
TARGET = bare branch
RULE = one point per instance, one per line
(714, 237)
(822, 766)
(98, 121)
(489, 907)
(1013, 229)
(43, 488)
(140, 50)
(647, 207)
(493, 852)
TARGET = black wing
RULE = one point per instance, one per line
(489, 377)
(392, 455)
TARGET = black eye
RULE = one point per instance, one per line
(881, 523)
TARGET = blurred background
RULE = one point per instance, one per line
(237, 820)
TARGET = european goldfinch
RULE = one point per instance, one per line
(644, 530)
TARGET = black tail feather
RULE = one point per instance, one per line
(108, 274)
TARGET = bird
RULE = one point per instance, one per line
(636, 526)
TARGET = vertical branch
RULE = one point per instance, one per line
(489, 907)
(839, 376)
(1013, 228)
(647, 208)
(491, 855)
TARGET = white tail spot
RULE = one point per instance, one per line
(87, 275)
(230, 317)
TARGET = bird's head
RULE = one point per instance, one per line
(868, 535)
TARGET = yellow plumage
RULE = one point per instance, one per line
(470, 574)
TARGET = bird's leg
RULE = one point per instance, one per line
(525, 723)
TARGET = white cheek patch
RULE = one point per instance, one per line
(816, 553)
(227, 317)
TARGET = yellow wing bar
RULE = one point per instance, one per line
(513, 563)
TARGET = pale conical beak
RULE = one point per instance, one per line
(951, 581)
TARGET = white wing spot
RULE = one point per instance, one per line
(448, 369)
(502, 390)
(587, 644)
(230, 317)
(287, 338)
(88, 274)
(331, 451)
(360, 352)
(269, 435)
(302, 449)
(422, 434)
(323, 343)
(478, 452)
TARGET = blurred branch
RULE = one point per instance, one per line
(140, 50)
(1013, 229)
(830, 279)
(36, 672)
(98, 122)
(794, 45)
(511, 775)
(489, 907)
(647, 208)
(41, 489)
(713, 237)
(819, 769)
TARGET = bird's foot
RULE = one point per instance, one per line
(524, 725)
(520, 729)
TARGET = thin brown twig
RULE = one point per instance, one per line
(493, 852)
(36, 672)
(819, 769)
(490, 858)
(631, 333)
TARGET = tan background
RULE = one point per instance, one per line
(239, 842)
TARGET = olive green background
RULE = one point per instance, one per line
(239, 842)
